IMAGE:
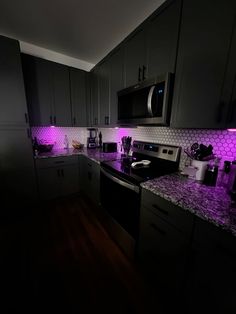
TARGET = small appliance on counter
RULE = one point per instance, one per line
(109, 147)
(92, 139)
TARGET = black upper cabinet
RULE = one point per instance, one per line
(94, 102)
(116, 82)
(229, 90)
(78, 85)
(47, 88)
(61, 88)
(162, 39)
(205, 37)
(135, 58)
(104, 92)
(13, 109)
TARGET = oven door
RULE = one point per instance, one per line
(121, 200)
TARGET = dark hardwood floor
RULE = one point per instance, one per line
(59, 258)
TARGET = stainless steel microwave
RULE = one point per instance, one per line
(147, 102)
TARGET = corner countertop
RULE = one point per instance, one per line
(94, 154)
(209, 203)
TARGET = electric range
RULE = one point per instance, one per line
(120, 187)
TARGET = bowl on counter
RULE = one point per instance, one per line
(45, 148)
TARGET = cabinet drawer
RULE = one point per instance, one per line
(56, 161)
(176, 216)
(158, 237)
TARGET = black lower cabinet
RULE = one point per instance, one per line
(211, 273)
(189, 262)
(164, 242)
(57, 177)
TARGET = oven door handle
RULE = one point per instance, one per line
(127, 185)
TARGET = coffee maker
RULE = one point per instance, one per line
(92, 139)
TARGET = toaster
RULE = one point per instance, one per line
(109, 147)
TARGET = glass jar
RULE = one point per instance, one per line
(211, 173)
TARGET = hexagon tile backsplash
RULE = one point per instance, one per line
(223, 141)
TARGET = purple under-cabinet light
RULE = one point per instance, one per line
(231, 130)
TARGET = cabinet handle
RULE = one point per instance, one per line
(95, 121)
(231, 111)
(220, 111)
(159, 230)
(55, 120)
(50, 119)
(90, 176)
(139, 74)
(58, 173)
(144, 70)
(28, 133)
(74, 121)
(163, 211)
(106, 120)
(62, 173)
(26, 118)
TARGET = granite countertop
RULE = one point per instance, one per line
(209, 203)
(94, 154)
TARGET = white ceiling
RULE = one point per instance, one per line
(82, 29)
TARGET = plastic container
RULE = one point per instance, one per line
(201, 168)
(66, 142)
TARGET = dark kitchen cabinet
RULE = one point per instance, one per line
(90, 178)
(57, 176)
(205, 38)
(162, 40)
(210, 283)
(229, 89)
(47, 88)
(116, 82)
(18, 183)
(165, 237)
(135, 58)
(104, 92)
(94, 102)
(79, 101)
(13, 109)
(61, 88)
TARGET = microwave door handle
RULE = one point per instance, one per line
(149, 102)
(120, 182)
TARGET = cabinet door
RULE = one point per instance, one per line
(229, 90)
(38, 78)
(18, 182)
(69, 183)
(162, 38)
(135, 54)
(49, 182)
(116, 82)
(212, 272)
(62, 104)
(94, 97)
(202, 56)
(12, 94)
(104, 92)
(78, 97)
